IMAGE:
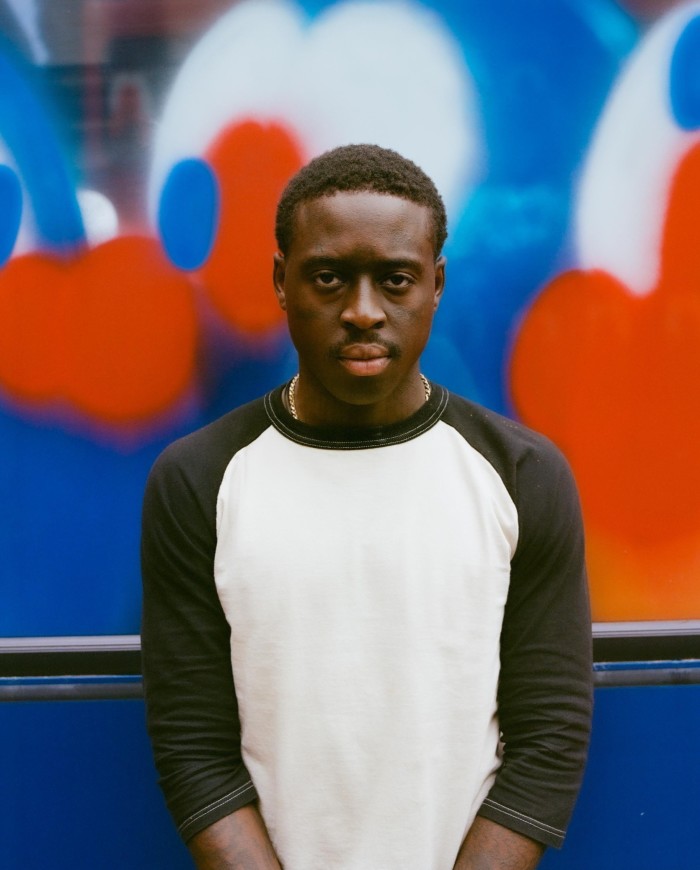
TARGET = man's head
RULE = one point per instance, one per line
(360, 277)
(355, 168)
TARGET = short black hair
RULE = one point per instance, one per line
(352, 168)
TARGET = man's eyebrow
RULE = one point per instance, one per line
(321, 261)
(404, 263)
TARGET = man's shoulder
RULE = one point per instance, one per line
(475, 421)
(517, 452)
(209, 449)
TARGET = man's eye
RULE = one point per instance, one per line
(398, 281)
(327, 279)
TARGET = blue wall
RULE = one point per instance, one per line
(79, 788)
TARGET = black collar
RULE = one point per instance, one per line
(355, 438)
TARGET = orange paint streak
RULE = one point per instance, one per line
(614, 379)
(639, 583)
(253, 162)
(112, 333)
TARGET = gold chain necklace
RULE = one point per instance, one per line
(291, 392)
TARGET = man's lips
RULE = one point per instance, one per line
(364, 359)
(364, 351)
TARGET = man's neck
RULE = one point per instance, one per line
(315, 405)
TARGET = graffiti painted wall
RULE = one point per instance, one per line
(143, 146)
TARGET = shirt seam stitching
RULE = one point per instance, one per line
(515, 814)
(215, 804)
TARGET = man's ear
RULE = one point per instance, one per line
(278, 273)
(439, 280)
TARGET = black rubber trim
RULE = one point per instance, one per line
(76, 656)
(671, 641)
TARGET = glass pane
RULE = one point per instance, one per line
(143, 145)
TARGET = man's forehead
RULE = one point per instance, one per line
(358, 209)
(362, 196)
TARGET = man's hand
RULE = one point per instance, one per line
(237, 842)
(489, 846)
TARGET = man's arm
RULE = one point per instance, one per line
(545, 683)
(239, 841)
(489, 846)
(191, 706)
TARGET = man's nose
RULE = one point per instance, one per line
(363, 306)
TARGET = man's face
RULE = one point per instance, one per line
(360, 285)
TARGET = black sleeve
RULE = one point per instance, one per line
(545, 687)
(192, 713)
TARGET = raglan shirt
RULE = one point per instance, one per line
(377, 633)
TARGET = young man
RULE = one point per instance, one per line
(366, 633)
